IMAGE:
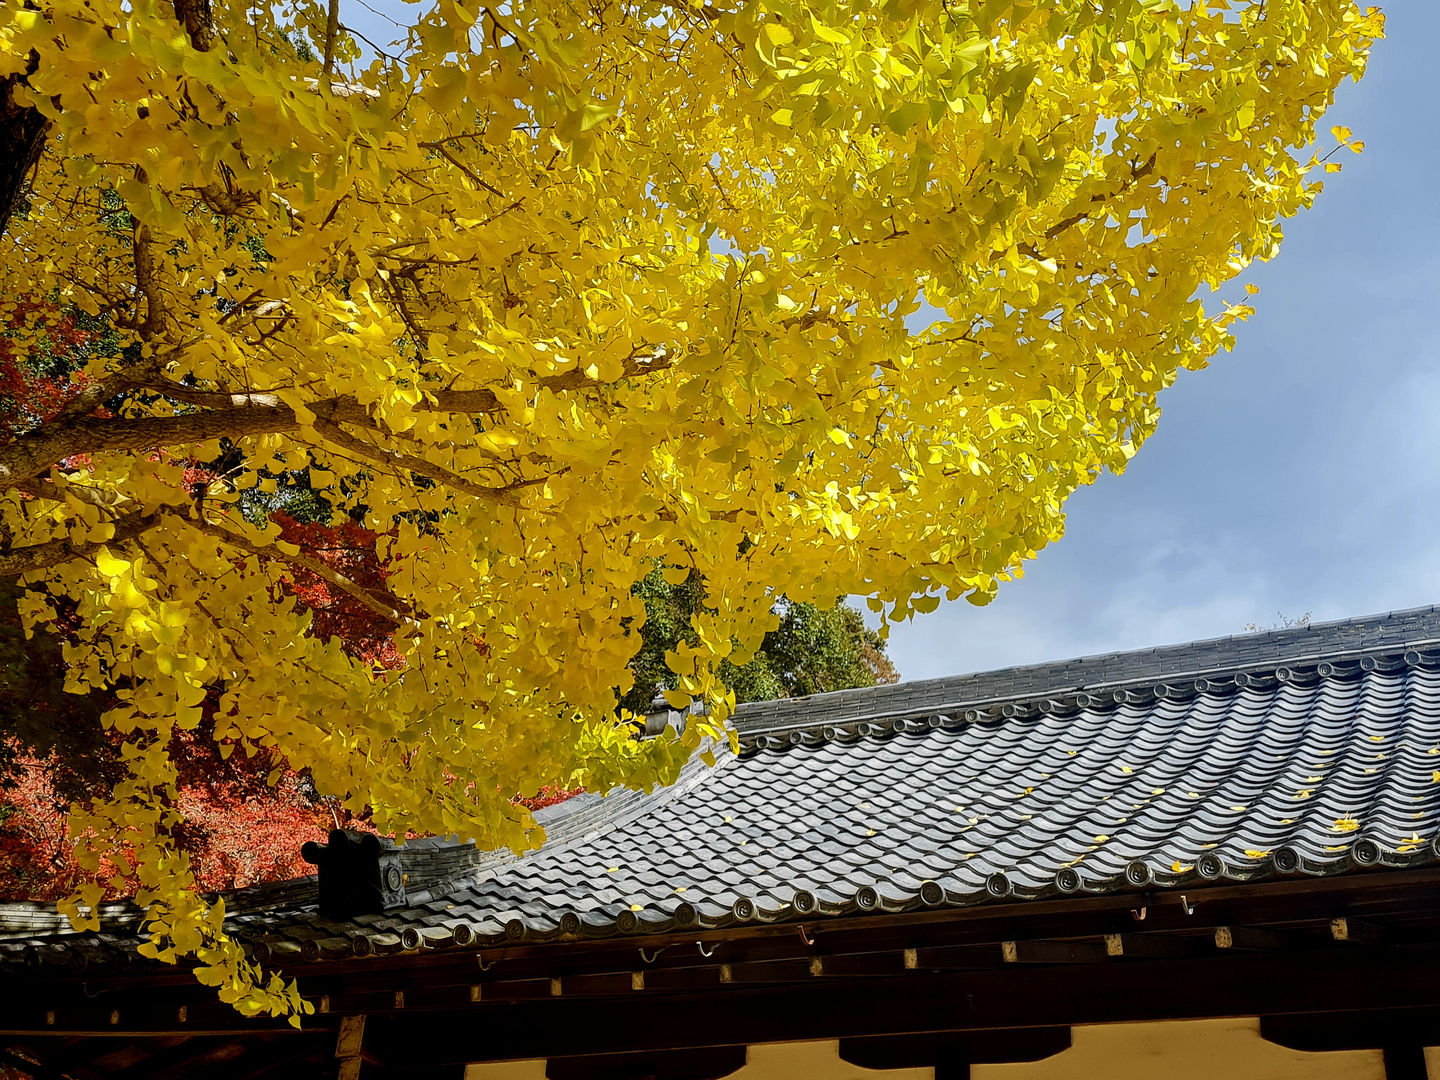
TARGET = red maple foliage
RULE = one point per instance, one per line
(548, 796)
(350, 550)
(32, 393)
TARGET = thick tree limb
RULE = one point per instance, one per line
(332, 29)
(54, 552)
(236, 416)
(132, 525)
(147, 280)
(199, 22)
(23, 129)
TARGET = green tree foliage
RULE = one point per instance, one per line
(814, 650)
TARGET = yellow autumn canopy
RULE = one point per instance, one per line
(558, 291)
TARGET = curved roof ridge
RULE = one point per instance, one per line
(1388, 631)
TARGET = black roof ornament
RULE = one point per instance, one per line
(360, 874)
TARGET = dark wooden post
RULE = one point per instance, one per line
(1405, 1063)
(348, 1046)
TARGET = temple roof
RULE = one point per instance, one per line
(1307, 751)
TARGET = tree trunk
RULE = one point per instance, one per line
(22, 137)
(23, 128)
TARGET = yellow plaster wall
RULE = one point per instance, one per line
(1180, 1050)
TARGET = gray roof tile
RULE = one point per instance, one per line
(1309, 739)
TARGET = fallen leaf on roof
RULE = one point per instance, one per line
(613, 870)
(1180, 867)
(1254, 854)
(1237, 808)
(1303, 793)
(1345, 824)
(1101, 838)
(1126, 768)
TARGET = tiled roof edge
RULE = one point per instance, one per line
(1264, 650)
(1067, 700)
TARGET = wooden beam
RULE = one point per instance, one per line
(956, 958)
(1376, 897)
(776, 971)
(1052, 952)
(1249, 938)
(862, 965)
(1149, 946)
(1356, 931)
(1405, 1062)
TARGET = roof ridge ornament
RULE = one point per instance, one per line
(360, 874)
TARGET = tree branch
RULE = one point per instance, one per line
(332, 28)
(199, 22)
(54, 552)
(400, 612)
(237, 416)
(1136, 175)
(440, 146)
(395, 459)
(23, 131)
(133, 525)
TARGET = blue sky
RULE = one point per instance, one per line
(1300, 472)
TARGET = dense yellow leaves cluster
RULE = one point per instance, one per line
(560, 290)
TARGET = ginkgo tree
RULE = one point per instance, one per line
(544, 293)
